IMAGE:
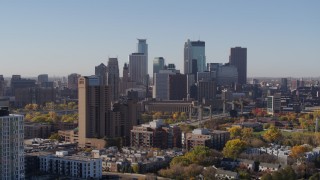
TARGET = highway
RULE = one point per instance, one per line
(195, 122)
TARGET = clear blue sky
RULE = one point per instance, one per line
(60, 37)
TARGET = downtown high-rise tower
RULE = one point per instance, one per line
(194, 57)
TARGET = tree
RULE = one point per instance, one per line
(273, 134)
(193, 170)
(233, 148)
(209, 173)
(298, 151)
(55, 136)
(315, 177)
(246, 133)
(136, 168)
(235, 132)
(266, 176)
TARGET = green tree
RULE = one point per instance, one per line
(315, 177)
(233, 148)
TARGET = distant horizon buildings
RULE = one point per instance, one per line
(238, 58)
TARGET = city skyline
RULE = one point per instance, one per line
(59, 38)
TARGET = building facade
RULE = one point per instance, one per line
(71, 166)
(73, 81)
(113, 78)
(138, 68)
(194, 57)
(158, 64)
(203, 137)
(238, 58)
(155, 135)
(94, 109)
(101, 71)
(11, 146)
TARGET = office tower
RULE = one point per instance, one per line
(43, 78)
(177, 86)
(171, 67)
(113, 78)
(73, 81)
(238, 58)
(138, 68)
(142, 47)
(190, 82)
(11, 145)
(194, 57)
(94, 106)
(101, 71)
(161, 85)
(295, 84)
(226, 74)
(2, 86)
(158, 64)
(284, 85)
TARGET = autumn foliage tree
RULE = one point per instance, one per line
(273, 134)
(298, 151)
(235, 132)
(233, 148)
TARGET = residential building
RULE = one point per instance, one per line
(203, 137)
(113, 78)
(94, 109)
(79, 167)
(156, 134)
(238, 58)
(194, 57)
(11, 145)
(37, 130)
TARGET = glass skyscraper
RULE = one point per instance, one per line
(194, 57)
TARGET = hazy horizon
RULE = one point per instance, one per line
(63, 37)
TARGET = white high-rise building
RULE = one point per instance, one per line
(11, 146)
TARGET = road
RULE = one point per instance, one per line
(195, 122)
(129, 176)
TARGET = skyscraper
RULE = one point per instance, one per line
(142, 47)
(158, 64)
(238, 58)
(43, 78)
(94, 106)
(194, 57)
(138, 68)
(2, 86)
(101, 71)
(11, 145)
(113, 78)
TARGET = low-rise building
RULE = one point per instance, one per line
(203, 137)
(71, 166)
(156, 134)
